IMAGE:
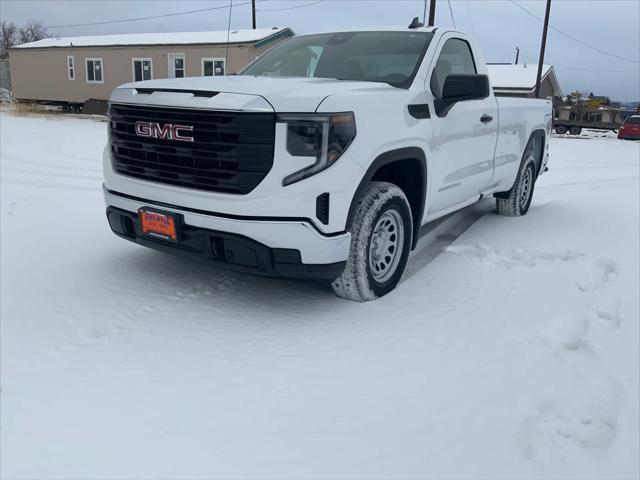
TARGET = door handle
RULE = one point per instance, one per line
(486, 118)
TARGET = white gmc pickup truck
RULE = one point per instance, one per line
(323, 158)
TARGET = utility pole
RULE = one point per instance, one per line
(543, 46)
(517, 54)
(253, 13)
(432, 12)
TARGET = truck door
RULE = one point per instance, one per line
(464, 138)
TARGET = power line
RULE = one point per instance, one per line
(596, 71)
(290, 8)
(469, 15)
(451, 12)
(188, 12)
(580, 69)
(572, 37)
(108, 22)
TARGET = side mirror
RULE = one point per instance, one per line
(459, 88)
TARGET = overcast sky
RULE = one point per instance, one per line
(612, 26)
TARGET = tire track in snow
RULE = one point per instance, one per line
(589, 182)
(13, 159)
(443, 232)
(49, 174)
(512, 257)
(56, 186)
(180, 285)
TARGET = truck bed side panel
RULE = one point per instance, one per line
(518, 119)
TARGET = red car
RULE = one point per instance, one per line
(630, 129)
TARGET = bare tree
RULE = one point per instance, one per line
(8, 37)
(32, 31)
(12, 34)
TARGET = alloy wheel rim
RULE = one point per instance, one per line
(385, 247)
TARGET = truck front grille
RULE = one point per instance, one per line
(231, 152)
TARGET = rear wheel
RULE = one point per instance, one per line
(516, 202)
(381, 234)
(561, 129)
(575, 130)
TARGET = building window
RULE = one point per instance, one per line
(213, 67)
(95, 72)
(71, 67)
(142, 69)
(176, 65)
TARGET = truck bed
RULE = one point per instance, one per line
(517, 117)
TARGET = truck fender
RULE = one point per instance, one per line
(539, 157)
(417, 199)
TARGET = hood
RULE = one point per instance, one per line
(240, 92)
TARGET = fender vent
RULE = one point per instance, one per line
(322, 208)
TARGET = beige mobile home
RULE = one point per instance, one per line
(74, 70)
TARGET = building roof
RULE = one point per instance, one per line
(520, 76)
(175, 38)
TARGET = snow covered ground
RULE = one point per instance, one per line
(511, 350)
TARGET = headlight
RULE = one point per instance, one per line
(323, 136)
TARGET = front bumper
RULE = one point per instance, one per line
(269, 198)
(279, 247)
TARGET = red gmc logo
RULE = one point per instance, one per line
(168, 131)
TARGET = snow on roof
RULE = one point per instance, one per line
(520, 76)
(175, 38)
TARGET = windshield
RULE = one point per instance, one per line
(632, 121)
(389, 57)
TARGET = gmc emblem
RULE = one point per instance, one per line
(168, 131)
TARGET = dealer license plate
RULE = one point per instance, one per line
(158, 224)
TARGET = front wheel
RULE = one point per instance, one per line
(381, 233)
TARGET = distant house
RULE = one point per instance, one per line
(520, 80)
(71, 71)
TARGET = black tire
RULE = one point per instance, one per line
(365, 276)
(575, 130)
(516, 202)
(561, 129)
